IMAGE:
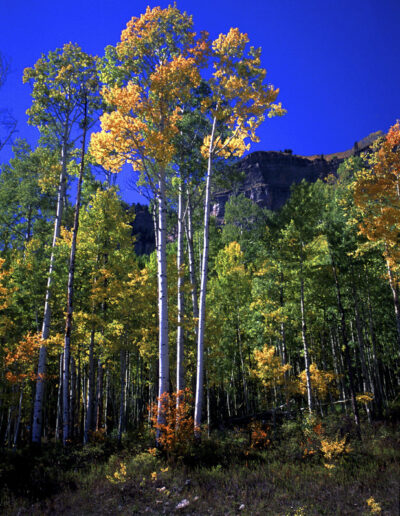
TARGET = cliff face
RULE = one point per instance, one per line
(268, 176)
(143, 229)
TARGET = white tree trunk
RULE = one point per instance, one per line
(59, 398)
(40, 381)
(396, 301)
(305, 345)
(99, 396)
(203, 291)
(192, 270)
(163, 375)
(122, 414)
(180, 380)
(70, 289)
(90, 397)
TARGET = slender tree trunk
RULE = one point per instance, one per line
(121, 422)
(244, 382)
(18, 422)
(81, 420)
(283, 341)
(127, 385)
(347, 357)
(90, 396)
(72, 398)
(180, 379)
(203, 291)
(40, 381)
(361, 345)
(99, 396)
(59, 398)
(156, 223)
(70, 291)
(28, 225)
(192, 268)
(304, 339)
(107, 402)
(377, 365)
(396, 301)
(163, 375)
(7, 437)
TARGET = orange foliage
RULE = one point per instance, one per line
(176, 433)
(258, 435)
(21, 360)
(163, 54)
(377, 195)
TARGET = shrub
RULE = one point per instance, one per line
(176, 434)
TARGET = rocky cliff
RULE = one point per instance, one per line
(143, 229)
(268, 176)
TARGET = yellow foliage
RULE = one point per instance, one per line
(316, 441)
(120, 475)
(322, 382)
(374, 506)
(5, 292)
(366, 397)
(164, 57)
(332, 449)
(270, 369)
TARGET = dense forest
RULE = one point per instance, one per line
(244, 328)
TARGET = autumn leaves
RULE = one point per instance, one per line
(154, 73)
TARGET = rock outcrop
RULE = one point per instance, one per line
(268, 176)
(143, 229)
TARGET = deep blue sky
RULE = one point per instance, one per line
(336, 62)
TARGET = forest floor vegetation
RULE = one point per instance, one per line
(303, 467)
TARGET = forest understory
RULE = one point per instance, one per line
(244, 470)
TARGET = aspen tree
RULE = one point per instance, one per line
(159, 60)
(58, 81)
(236, 107)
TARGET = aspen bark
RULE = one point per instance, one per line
(90, 396)
(396, 301)
(70, 291)
(18, 422)
(192, 269)
(99, 395)
(203, 291)
(347, 357)
(305, 344)
(163, 372)
(121, 421)
(40, 381)
(180, 379)
(59, 398)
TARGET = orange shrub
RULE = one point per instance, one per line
(177, 432)
(258, 435)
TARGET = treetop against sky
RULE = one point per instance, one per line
(334, 62)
